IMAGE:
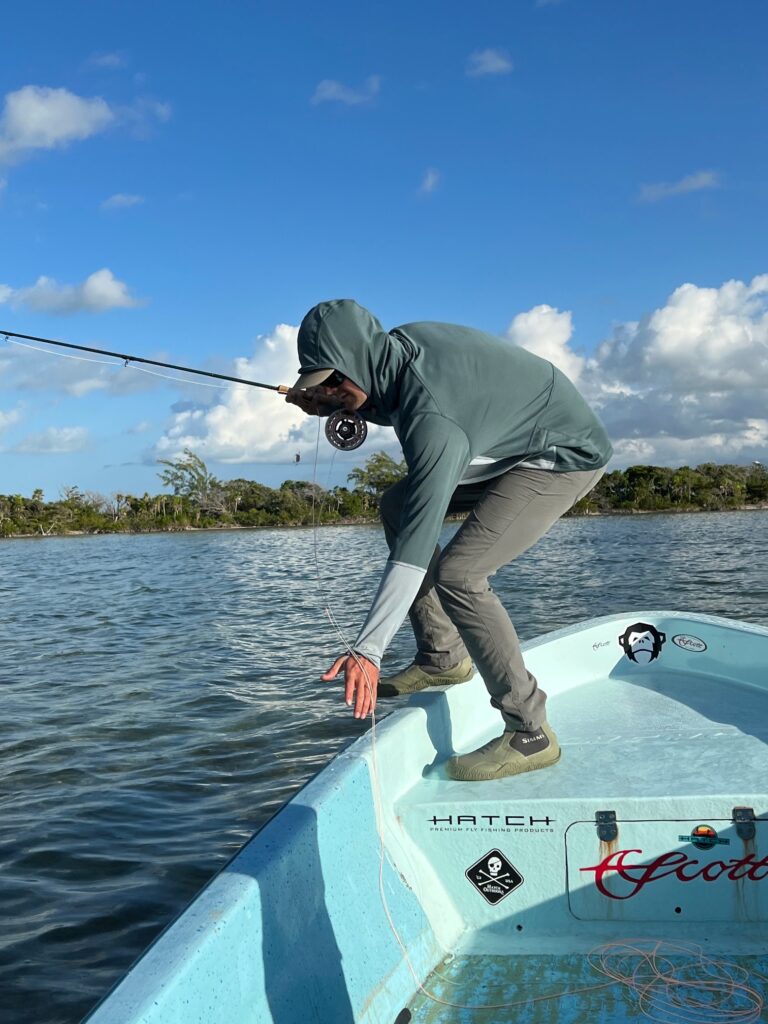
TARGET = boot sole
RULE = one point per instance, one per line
(478, 775)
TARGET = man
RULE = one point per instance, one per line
(486, 428)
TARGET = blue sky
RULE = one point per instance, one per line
(586, 178)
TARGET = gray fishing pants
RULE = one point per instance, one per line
(455, 613)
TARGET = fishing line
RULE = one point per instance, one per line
(345, 429)
(60, 355)
(642, 965)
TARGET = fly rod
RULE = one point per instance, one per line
(345, 430)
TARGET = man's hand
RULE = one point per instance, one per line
(313, 401)
(361, 681)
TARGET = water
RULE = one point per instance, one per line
(161, 699)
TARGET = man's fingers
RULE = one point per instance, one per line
(366, 699)
(334, 670)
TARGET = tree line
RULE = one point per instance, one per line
(195, 498)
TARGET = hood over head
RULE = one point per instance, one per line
(342, 335)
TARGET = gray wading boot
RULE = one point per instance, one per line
(414, 678)
(508, 754)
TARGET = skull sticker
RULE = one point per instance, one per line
(494, 876)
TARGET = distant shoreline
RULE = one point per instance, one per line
(235, 527)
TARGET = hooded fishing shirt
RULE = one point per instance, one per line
(466, 406)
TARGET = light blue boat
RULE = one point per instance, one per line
(630, 879)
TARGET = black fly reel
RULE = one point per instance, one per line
(346, 430)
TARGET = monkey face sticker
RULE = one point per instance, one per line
(642, 642)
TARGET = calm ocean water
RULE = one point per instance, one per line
(161, 699)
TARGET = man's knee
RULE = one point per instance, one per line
(454, 576)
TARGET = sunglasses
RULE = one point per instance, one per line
(335, 380)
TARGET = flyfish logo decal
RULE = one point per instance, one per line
(689, 643)
(704, 837)
(634, 877)
(642, 642)
(494, 876)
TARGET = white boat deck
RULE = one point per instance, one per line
(666, 735)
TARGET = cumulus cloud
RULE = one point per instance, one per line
(331, 91)
(546, 332)
(489, 62)
(53, 441)
(430, 181)
(121, 200)
(8, 417)
(686, 383)
(99, 292)
(36, 117)
(692, 183)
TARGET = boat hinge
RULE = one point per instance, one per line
(607, 829)
(744, 820)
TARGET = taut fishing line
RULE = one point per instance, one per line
(698, 990)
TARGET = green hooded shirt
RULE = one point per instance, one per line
(465, 406)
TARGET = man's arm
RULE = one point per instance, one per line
(437, 453)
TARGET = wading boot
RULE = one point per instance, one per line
(508, 754)
(414, 678)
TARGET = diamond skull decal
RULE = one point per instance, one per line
(494, 876)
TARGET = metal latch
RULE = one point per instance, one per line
(607, 829)
(744, 820)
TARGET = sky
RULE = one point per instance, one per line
(183, 181)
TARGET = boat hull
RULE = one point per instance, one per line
(653, 826)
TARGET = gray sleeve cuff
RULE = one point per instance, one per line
(399, 585)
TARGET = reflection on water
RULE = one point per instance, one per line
(161, 699)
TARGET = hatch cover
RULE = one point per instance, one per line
(695, 870)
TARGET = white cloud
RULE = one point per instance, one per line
(331, 91)
(36, 117)
(121, 200)
(430, 181)
(54, 441)
(108, 61)
(686, 383)
(9, 417)
(142, 115)
(692, 183)
(489, 62)
(99, 292)
(546, 332)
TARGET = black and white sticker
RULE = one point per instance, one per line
(689, 643)
(494, 876)
(642, 642)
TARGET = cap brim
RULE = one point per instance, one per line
(312, 379)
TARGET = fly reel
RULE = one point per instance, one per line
(346, 430)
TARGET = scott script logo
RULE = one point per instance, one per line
(674, 864)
